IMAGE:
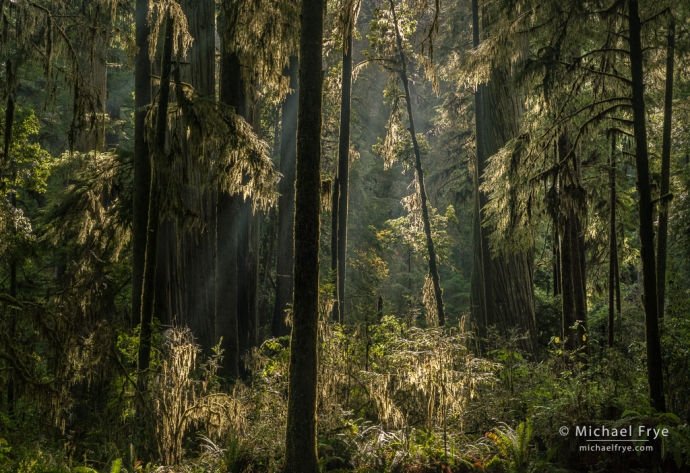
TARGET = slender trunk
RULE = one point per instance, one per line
(556, 250)
(567, 286)
(480, 290)
(579, 278)
(654, 364)
(579, 264)
(248, 253)
(147, 296)
(334, 246)
(572, 251)
(10, 74)
(344, 169)
(300, 440)
(433, 271)
(9, 125)
(286, 204)
(142, 162)
(662, 237)
(613, 246)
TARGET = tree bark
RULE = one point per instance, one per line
(300, 441)
(147, 296)
(508, 276)
(433, 270)
(506, 279)
(334, 246)
(10, 74)
(196, 259)
(286, 204)
(613, 245)
(344, 169)
(662, 237)
(227, 213)
(142, 162)
(654, 364)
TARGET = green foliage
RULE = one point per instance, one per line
(28, 166)
(513, 445)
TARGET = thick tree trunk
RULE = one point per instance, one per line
(196, 259)
(344, 169)
(227, 213)
(506, 282)
(613, 245)
(662, 237)
(508, 277)
(286, 204)
(142, 162)
(433, 270)
(300, 441)
(147, 296)
(654, 365)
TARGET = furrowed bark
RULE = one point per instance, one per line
(196, 259)
(286, 204)
(508, 279)
(662, 237)
(433, 270)
(300, 442)
(654, 364)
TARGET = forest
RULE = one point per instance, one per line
(301, 236)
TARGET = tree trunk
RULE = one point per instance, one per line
(334, 246)
(248, 257)
(433, 270)
(196, 259)
(10, 74)
(227, 213)
(147, 297)
(300, 441)
(142, 162)
(613, 245)
(286, 204)
(508, 277)
(579, 277)
(567, 286)
(344, 169)
(481, 263)
(556, 262)
(654, 365)
(662, 237)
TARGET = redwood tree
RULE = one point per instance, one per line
(300, 440)
(645, 206)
